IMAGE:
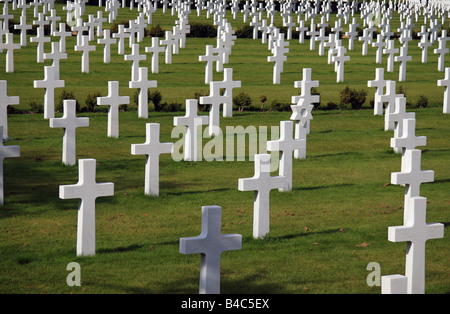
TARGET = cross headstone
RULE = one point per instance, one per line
(389, 97)
(107, 41)
(402, 58)
(143, 84)
(56, 55)
(113, 100)
(135, 57)
(5, 101)
(396, 118)
(415, 232)
(49, 83)
(286, 145)
(301, 29)
(5, 152)
(121, 35)
(209, 58)
(69, 122)
(210, 244)
(85, 48)
(262, 183)
(408, 138)
(365, 38)
(390, 51)
(9, 46)
(442, 50)
(340, 59)
(152, 148)
(215, 99)
(379, 44)
(23, 27)
(446, 83)
(168, 41)
(278, 58)
(228, 84)
(87, 190)
(192, 121)
(62, 34)
(411, 175)
(155, 49)
(379, 83)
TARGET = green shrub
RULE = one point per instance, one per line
(202, 30)
(277, 106)
(156, 31)
(422, 102)
(242, 100)
(65, 94)
(155, 97)
(353, 97)
(90, 103)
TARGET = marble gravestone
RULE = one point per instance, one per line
(49, 83)
(87, 190)
(210, 244)
(192, 121)
(286, 145)
(113, 100)
(379, 83)
(70, 123)
(9, 46)
(261, 183)
(5, 152)
(445, 82)
(5, 101)
(143, 84)
(152, 148)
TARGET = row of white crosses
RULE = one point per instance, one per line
(415, 231)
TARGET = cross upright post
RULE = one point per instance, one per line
(143, 84)
(379, 83)
(49, 83)
(5, 152)
(5, 101)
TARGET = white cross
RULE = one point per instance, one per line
(424, 44)
(99, 23)
(9, 46)
(416, 232)
(379, 83)
(278, 58)
(389, 97)
(85, 48)
(441, 50)
(286, 145)
(135, 57)
(322, 38)
(40, 39)
(121, 35)
(23, 26)
(411, 175)
(302, 113)
(5, 101)
(192, 121)
(402, 58)
(390, 51)
(87, 190)
(215, 100)
(155, 49)
(339, 59)
(41, 22)
(79, 28)
(62, 33)
(228, 84)
(52, 18)
(49, 83)
(312, 33)
(262, 182)
(380, 45)
(5, 152)
(446, 83)
(210, 244)
(107, 41)
(113, 100)
(152, 148)
(352, 34)
(169, 41)
(70, 123)
(143, 84)
(209, 58)
(396, 118)
(365, 38)
(301, 29)
(264, 29)
(56, 55)
(408, 139)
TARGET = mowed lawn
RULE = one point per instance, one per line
(323, 233)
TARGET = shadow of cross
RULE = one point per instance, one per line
(210, 244)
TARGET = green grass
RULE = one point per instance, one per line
(341, 195)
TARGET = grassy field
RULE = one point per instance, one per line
(323, 233)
